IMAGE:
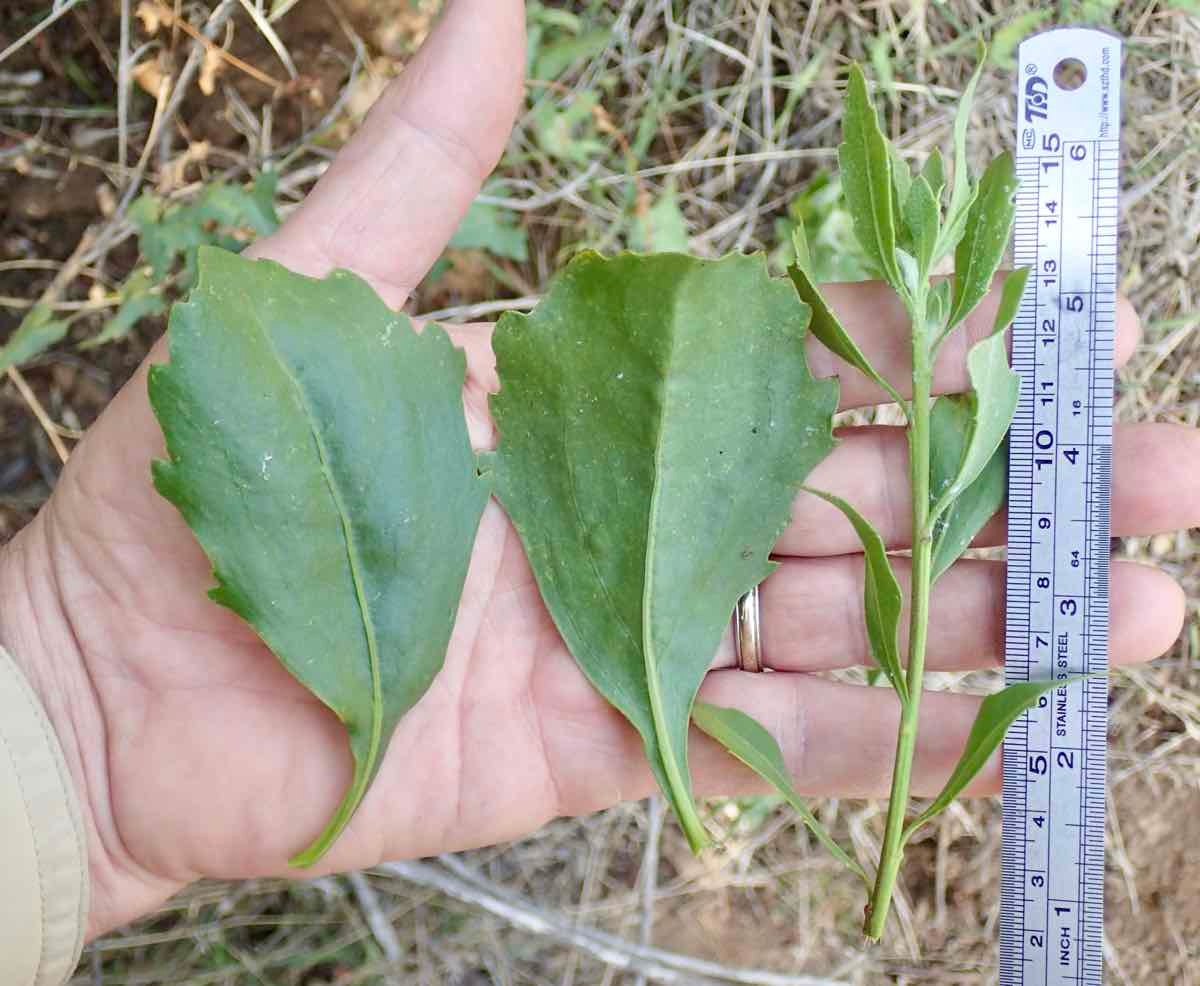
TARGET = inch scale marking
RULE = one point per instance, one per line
(1060, 461)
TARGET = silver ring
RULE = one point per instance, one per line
(747, 632)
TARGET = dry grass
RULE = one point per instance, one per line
(729, 105)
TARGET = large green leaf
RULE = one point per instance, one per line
(867, 178)
(995, 390)
(743, 737)
(319, 452)
(985, 237)
(949, 430)
(996, 713)
(38, 331)
(656, 416)
(883, 602)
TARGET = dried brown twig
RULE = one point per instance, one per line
(455, 880)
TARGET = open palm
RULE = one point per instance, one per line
(197, 755)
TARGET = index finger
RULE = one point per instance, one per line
(876, 320)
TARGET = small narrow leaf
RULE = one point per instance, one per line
(139, 300)
(954, 226)
(318, 449)
(38, 331)
(1011, 293)
(985, 237)
(867, 178)
(960, 193)
(995, 389)
(934, 173)
(963, 190)
(750, 743)
(996, 714)
(883, 601)
(826, 326)
(634, 403)
(804, 260)
(937, 306)
(992, 402)
(972, 501)
(949, 430)
(921, 219)
(910, 272)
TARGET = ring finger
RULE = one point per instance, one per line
(812, 615)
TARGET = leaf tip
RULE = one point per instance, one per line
(857, 80)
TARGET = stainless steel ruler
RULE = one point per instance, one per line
(1068, 148)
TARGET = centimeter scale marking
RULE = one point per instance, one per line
(1060, 462)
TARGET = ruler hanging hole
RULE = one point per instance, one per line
(1070, 74)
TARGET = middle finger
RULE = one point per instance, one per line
(869, 468)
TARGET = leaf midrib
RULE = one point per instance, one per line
(589, 553)
(657, 712)
(335, 493)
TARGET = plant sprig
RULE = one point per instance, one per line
(957, 451)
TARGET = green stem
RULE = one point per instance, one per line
(922, 552)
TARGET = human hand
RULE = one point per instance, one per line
(196, 755)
